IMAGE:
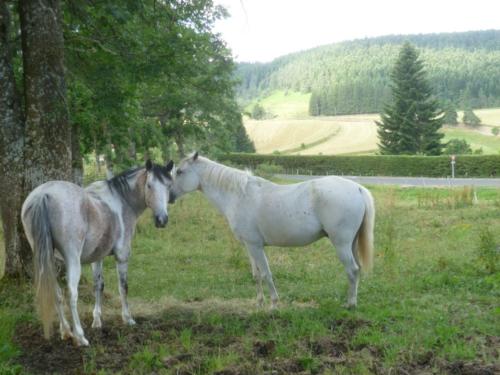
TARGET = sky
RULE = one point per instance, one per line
(261, 30)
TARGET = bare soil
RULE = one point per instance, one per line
(112, 348)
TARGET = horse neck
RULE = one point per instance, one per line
(221, 184)
(134, 199)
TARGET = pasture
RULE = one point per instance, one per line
(430, 305)
(293, 131)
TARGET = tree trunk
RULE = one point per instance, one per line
(48, 134)
(36, 148)
(17, 252)
(76, 155)
(179, 141)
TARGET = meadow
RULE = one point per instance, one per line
(430, 305)
(290, 130)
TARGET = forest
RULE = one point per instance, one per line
(354, 76)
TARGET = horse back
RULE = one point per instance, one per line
(81, 225)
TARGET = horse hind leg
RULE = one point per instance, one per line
(64, 326)
(74, 270)
(344, 248)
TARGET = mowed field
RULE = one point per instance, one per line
(427, 307)
(292, 131)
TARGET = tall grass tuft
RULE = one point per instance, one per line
(488, 251)
(446, 198)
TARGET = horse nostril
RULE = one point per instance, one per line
(161, 221)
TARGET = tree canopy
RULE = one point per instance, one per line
(148, 74)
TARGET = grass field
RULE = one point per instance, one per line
(429, 306)
(292, 131)
(489, 143)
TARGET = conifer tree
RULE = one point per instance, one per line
(450, 115)
(470, 118)
(411, 122)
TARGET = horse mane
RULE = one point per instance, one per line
(121, 182)
(224, 177)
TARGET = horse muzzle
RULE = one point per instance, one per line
(161, 221)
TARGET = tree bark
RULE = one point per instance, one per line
(48, 133)
(35, 144)
(76, 155)
(17, 252)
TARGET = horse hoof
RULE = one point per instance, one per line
(80, 341)
(349, 306)
(130, 322)
(96, 324)
(66, 336)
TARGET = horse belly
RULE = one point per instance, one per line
(299, 230)
(101, 233)
(94, 251)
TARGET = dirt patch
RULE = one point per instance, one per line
(115, 348)
(264, 348)
(471, 368)
(333, 349)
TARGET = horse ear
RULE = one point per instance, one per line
(149, 165)
(170, 166)
(195, 156)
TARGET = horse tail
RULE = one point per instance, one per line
(365, 233)
(45, 273)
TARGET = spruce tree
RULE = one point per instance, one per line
(410, 123)
(470, 118)
(450, 115)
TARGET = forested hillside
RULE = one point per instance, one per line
(353, 77)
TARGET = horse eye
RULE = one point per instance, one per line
(149, 186)
(179, 172)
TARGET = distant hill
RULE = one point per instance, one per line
(353, 77)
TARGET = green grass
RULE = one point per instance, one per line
(289, 105)
(428, 303)
(2, 253)
(489, 144)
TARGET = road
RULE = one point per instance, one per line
(409, 181)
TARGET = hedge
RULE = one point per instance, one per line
(374, 165)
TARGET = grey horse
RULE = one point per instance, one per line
(78, 226)
(262, 213)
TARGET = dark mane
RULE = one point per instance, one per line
(161, 173)
(120, 184)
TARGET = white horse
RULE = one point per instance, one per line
(80, 225)
(262, 213)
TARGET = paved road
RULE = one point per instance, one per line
(410, 181)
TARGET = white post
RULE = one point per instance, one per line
(452, 166)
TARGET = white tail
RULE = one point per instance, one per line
(45, 275)
(365, 234)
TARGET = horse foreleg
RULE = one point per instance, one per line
(122, 268)
(258, 280)
(260, 262)
(74, 270)
(98, 289)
